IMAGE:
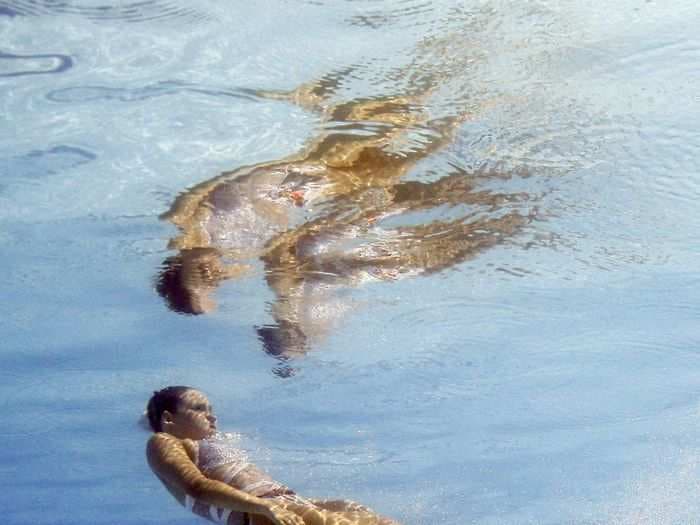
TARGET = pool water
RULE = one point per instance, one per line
(550, 376)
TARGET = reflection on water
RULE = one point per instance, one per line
(140, 11)
(339, 214)
(491, 233)
(39, 64)
(38, 164)
(412, 11)
(164, 88)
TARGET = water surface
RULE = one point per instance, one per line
(548, 378)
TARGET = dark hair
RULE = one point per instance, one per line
(184, 277)
(170, 287)
(282, 340)
(166, 399)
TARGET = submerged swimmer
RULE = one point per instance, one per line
(209, 475)
(334, 216)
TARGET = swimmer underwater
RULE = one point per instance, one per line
(207, 474)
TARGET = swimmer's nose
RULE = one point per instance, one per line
(211, 418)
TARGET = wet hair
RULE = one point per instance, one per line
(282, 340)
(169, 286)
(182, 276)
(168, 399)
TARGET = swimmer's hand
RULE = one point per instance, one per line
(280, 516)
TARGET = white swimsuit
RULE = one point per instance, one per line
(218, 457)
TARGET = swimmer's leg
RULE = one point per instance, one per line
(341, 505)
(440, 245)
(390, 254)
(313, 96)
(313, 515)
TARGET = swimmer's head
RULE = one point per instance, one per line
(187, 280)
(283, 340)
(181, 411)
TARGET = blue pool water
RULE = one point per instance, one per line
(551, 378)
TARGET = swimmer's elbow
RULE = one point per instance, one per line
(197, 488)
(209, 490)
(197, 485)
(213, 492)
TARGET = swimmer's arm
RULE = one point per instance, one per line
(314, 95)
(168, 458)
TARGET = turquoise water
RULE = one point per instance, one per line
(551, 378)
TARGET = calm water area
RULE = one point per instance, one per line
(532, 357)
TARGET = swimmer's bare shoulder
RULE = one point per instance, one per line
(172, 460)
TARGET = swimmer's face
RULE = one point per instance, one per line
(193, 419)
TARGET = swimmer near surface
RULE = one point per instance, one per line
(338, 214)
(207, 473)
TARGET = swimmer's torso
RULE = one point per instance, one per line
(219, 458)
(243, 214)
(334, 216)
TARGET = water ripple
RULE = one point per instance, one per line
(37, 164)
(140, 11)
(412, 11)
(681, 56)
(39, 64)
(80, 94)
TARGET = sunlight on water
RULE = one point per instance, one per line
(436, 258)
